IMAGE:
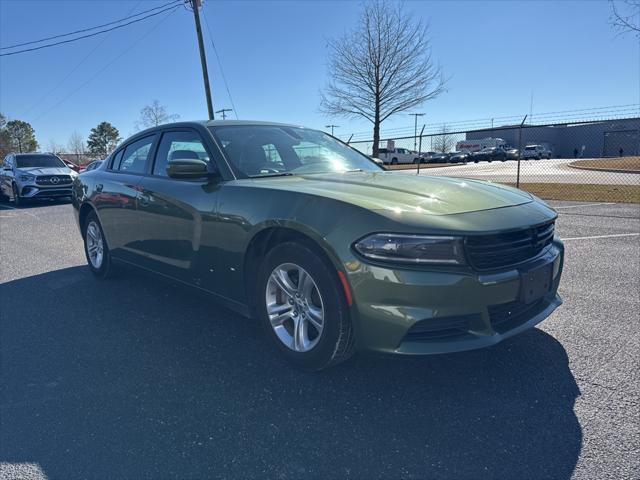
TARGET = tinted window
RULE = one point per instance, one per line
(43, 161)
(179, 146)
(134, 159)
(117, 158)
(256, 150)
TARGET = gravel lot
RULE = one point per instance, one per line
(139, 378)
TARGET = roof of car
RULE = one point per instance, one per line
(206, 123)
(48, 154)
(220, 123)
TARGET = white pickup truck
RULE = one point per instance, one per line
(395, 156)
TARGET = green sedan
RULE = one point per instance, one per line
(328, 250)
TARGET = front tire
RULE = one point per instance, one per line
(95, 248)
(18, 201)
(302, 307)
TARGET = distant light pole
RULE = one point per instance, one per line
(332, 127)
(415, 130)
(224, 111)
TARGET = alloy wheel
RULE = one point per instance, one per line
(95, 244)
(294, 307)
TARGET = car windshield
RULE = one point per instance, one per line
(268, 150)
(41, 161)
(529, 148)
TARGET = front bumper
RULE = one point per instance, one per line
(415, 312)
(38, 191)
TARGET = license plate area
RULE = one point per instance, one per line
(535, 283)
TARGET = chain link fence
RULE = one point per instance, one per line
(582, 161)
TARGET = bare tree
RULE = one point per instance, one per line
(76, 146)
(154, 115)
(625, 16)
(381, 68)
(54, 147)
(444, 142)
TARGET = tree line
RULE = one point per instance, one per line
(18, 136)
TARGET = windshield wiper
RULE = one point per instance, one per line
(280, 174)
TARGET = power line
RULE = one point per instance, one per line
(91, 28)
(99, 72)
(224, 78)
(74, 69)
(90, 34)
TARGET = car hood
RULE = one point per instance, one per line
(46, 171)
(399, 192)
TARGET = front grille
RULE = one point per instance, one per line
(54, 192)
(486, 252)
(517, 312)
(54, 180)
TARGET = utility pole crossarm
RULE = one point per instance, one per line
(224, 111)
(332, 127)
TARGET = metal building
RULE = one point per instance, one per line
(606, 138)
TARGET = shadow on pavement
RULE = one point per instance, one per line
(139, 378)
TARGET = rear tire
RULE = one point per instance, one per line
(309, 322)
(95, 248)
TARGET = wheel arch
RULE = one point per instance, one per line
(270, 234)
(83, 212)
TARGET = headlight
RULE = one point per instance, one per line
(27, 178)
(412, 248)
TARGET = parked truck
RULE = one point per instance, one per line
(480, 144)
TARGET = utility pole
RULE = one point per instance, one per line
(415, 130)
(195, 6)
(224, 111)
(331, 127)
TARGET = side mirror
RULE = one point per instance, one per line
(6, 167)
(187, 168)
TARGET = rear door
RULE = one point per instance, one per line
(116, 196)
(174, 213)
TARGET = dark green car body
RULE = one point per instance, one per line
(212, 233)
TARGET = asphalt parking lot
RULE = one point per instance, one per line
(137, 377)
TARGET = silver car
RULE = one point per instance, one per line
(26, 176)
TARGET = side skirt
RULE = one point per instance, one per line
(234, 305)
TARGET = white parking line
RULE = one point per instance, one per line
(602, 236)
(585, 205)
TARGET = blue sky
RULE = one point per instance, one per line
(274, 57)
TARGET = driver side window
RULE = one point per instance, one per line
(185, 145)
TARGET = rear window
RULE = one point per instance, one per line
(41, 161)
(529, 148)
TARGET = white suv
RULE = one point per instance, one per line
(397, 155)
(536, 151)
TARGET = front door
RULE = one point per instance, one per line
(116, 197)
(173, 213)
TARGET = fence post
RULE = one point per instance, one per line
(520, 151)
(420, 151)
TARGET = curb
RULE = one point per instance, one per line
(599, 169)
